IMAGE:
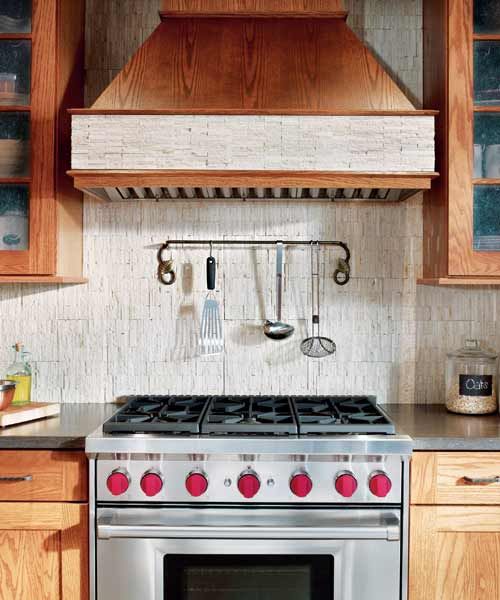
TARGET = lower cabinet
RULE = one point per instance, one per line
(455, 526)
(455, 553)
(43, 525)
(43, 551)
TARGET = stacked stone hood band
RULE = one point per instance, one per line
(253, 98)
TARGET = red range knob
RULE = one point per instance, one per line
(151, 484)
(196, 484)
(248, 485)
(380, 484)
(118, 483)
(301, 485)
(346, 484)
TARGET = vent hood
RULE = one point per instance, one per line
(253, 99)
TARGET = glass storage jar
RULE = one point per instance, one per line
(471, 380)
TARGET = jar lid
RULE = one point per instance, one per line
(473, 350)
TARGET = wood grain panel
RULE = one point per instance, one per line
(44, 551)
(251, 7)
(253, 64)
(56, 476)
(454, 553)
(29, 565)
(318, 179)
(435, 208)
(70, 86)
(438, 478)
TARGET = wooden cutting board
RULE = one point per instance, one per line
(29, 412)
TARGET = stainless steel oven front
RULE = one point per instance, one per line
(248, 553)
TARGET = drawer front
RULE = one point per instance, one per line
(455, 478)
(43, 476)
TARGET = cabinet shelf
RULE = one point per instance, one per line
(487, 37)
(447, 281)
(486, 182)
(487, 109)
(15, 36)
(14, 108)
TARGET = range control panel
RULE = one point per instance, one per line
(354, 480)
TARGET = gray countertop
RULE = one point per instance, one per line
(67, 431)
(430, 426)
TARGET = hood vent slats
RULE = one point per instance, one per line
(254, 194)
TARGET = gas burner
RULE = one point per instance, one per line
(256, 415)
(250, 415)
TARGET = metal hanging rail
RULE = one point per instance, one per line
(341, 275)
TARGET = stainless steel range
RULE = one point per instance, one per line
(249, 498)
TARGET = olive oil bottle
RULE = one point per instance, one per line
(20, 372)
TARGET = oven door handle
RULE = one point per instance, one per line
(388, 529)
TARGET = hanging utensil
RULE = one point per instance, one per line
(211, 338)
(277, 330)
(316, 346)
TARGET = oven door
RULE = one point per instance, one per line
(248, 554)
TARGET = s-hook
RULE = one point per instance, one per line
(166, 272)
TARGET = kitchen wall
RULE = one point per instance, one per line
(124, 333)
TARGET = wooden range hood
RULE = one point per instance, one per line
(253, 99)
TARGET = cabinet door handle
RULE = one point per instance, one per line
(16, 479)
(482, 480)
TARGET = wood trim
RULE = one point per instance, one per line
(486, 37)
(241, 112)
(85, 180)
(15, 108)
(423, 476)
(477, 281)
(435, 206)
(487, 109)
(254, 8)
(15, 36)
(69, 93)
(58, 476)
(44, 279)
(486, 181)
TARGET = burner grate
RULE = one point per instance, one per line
(246, 415)
(159, 414)
(341, 414)
(250, 414)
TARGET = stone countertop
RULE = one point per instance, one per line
(67, 431)
(432, 427)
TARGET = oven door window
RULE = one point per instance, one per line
(248, 577)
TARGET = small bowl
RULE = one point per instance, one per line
(7, 391)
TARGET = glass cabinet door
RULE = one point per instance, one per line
(15, 16)
(15, 127)
(486, 152)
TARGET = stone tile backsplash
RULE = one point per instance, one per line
(125, 333)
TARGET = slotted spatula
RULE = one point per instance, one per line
(211, 338)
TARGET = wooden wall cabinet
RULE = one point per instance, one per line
(454, 527)
(43, 526)
(41, 76)
(462, 80)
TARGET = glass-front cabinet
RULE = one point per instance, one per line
(486, 153)
(41, 76)
(462, 81)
